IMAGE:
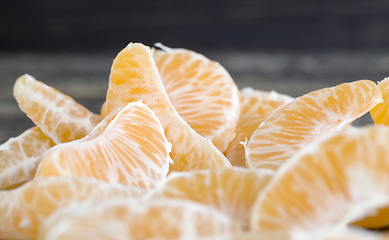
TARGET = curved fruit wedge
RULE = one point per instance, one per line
(376, 220)
(328, 185)
(56, 114)
(380, 113)
(307, 119)
(201, 91)
(256, 106)
(136, 220)
(134, 76)
(23, 209)
(129, 148)
(20, 156)
(230, 190)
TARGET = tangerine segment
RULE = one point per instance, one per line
(230, 190)
(256, 107)
(20, 156)
(103, 110)
(328, 185)
(56, 114)
(134, 76)
(131, 150)
(133, 219)
(376, 220)
(307, 119)
(100, 128)
(202, 92)
(380, 113)
(257, 102)
(23, 209)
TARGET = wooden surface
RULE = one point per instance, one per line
(85, 77)
(73, 25)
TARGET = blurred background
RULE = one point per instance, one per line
(292, 47)
(90, 26)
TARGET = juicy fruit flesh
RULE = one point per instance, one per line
(307, 119)
(246, 127)
(131, 150)
(256, 106)
(24, 208)
(20, 156)
(375, 220)
(135, 77)
(262, 103)
(232, 191)
(129, 219)
(380, 113)
(56, 114)
(201, 91)
(332, 185)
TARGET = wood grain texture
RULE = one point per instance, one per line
(64, 26)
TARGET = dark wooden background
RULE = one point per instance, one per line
(87, 25)
(291, 46)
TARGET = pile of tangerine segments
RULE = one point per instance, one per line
(179, 152)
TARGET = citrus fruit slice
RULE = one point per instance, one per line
(132, 149)
(380, 113)
(256, 106)
(230, 190)
(15, 186)
(325, 187)
(263, 103)
(20, 156)
(136, 220)
(103, 110)
(60, 117)
(201, 91)
(23, 209)
(376, 220)
(134, 76)
(307, 119)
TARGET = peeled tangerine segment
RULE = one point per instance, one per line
(230, 190)
(20, 156)
(24, 208)
(60, 117)
(378, 220)
(307, 119)
(380, 113)
(255, 107)
(134, 76)
(328, 185)
(128, 148)
(202, 92)
(137, 220)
